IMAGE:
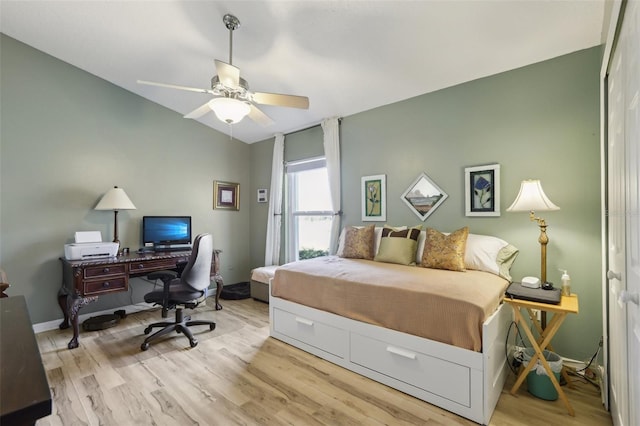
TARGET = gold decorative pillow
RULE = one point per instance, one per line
(359, 243)
(398, 245)
(445, 251)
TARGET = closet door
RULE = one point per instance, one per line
(618, 383)
(623, 218)
(630, 299)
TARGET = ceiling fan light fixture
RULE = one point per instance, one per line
(229, 110)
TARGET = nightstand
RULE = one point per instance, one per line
(567, 305)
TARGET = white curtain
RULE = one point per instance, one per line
(331, 130)
(274, 220)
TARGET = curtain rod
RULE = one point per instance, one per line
(310, 127)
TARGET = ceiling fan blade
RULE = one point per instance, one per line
(277, 99)
(173, 86)
(228, 74)
(199, 112)
(259, 117)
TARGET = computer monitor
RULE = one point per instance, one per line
(166, 231)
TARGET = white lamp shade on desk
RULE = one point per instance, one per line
(115, 199)
(531, 198)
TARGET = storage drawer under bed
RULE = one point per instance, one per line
(414, 368)
(311, 332)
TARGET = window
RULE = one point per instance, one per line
(309, 214)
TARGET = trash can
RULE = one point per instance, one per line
(538, 381)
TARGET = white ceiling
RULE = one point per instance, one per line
(346, 56)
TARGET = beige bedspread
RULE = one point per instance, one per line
(440, 305)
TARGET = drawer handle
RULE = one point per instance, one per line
(401, 352)
(106, 270)
(140, 266)
(304, 321)
(106, 284)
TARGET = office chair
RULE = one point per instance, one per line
(186, 291)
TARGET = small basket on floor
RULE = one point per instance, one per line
(236, 291)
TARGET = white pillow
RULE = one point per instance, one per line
(482, 251)
(489, 254)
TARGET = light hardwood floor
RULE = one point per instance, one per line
(239, 375)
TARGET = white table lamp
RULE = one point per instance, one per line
(115, 199)
(532, 198)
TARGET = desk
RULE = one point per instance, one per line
(568, 305)
(84, 280)
(24, 389)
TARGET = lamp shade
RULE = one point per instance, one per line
(531, 198)
(229, 110)
(115, 199)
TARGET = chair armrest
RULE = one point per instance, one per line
(166, 277)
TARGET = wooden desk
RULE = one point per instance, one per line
(568, 305)
(84, 280)
(24, 389)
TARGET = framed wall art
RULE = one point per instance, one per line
(482, 190)
(226, 195)
(374, 198)
(423, 196)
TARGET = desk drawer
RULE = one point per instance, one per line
(105, 271)
(92, 288)
(141, 268)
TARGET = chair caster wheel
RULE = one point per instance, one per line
(144, 346)
(147, 330)
(193, 343)
(212, 327)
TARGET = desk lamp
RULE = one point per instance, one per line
(532, 198)
(115, 199)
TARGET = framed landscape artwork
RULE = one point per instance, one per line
(423, 196)
(374, 198)
(482, 190)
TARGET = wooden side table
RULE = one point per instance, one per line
(568, 305)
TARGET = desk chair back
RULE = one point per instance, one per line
(198, 270)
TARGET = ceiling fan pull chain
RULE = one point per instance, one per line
(230, 46)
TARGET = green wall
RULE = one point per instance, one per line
(66, 138)
(539, 121)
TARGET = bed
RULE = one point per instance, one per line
(445, 346)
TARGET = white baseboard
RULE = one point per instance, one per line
(52, 325)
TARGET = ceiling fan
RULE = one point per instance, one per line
(233, 100)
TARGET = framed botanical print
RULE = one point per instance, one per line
(482, 190)
(226, 195)
(374, 198)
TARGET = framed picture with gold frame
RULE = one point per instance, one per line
(226, 195)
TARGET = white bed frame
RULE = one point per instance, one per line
(462, 381)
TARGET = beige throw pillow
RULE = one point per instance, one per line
(359, 243)
(443, 251)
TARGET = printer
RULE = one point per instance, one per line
(89, 245)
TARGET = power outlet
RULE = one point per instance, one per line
(537, 313)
